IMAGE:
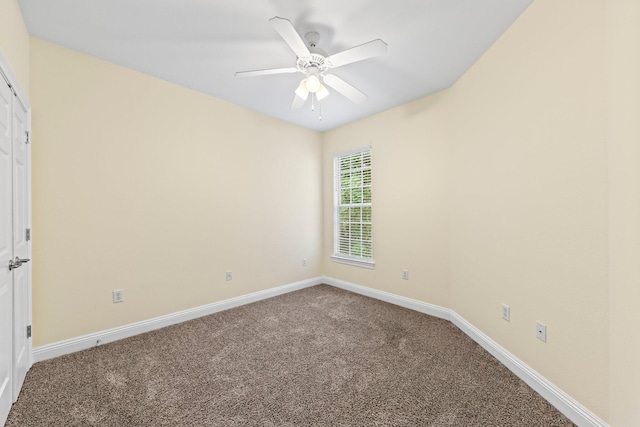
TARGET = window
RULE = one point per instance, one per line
(352, 202)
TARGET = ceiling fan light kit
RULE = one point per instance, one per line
(315, 63)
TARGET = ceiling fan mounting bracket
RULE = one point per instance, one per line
(312, 38)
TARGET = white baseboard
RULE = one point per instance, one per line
(423, 307)
(558, 398)
(554, 395)
(84, 342)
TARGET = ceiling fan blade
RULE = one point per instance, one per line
(345, 88)
(266, 72)
(286, 30)
(364, 51)
(298, 102)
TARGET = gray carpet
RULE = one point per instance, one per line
(319, 356)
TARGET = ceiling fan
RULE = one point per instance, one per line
(315, 63)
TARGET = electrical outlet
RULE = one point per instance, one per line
(541, 331)
(304, 262)
(405, 274)
(118, 296)
(506, 312)
(229, 276)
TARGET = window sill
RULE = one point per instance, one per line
(357, 263)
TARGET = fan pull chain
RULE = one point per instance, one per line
(313, 108)
(319, 111)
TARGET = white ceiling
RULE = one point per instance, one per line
(200, 44)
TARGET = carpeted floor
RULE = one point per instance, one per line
(319, 356)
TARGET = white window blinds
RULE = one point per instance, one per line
(352, 217)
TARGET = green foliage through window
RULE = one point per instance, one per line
(353, 205)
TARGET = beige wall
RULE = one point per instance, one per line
(409, 208)
(509, 172)
(529, 195)
(146, 186)
(14, 41)
(623, 47)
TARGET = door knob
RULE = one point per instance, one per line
(13, 264)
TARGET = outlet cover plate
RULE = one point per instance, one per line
(118, 296)
(506, 312)
(541, 331)
(405, 274)
(229, 276)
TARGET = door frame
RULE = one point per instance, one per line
(7, 73)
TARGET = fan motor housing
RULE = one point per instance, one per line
(316, 60)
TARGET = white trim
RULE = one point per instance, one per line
(29, 223)
(354, 151)
(554, 395)
(422, 307)
(7, 73)
(351, 261)
(84, 342)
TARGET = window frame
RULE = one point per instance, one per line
(337, 256)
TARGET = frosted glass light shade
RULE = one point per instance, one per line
(313, 83)
(302, 91)
(322, 93)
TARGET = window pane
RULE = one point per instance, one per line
(356, 179)
(366, 250)
(366, 177)
(356, 249)
(356, 195)
(366, 195)
(366, 232)
(366, 214)
(345, 163)
(356, 162)
(355, 214)
(366, 158)
(344, 214)
(344, 230)
(345, 179)
(345, 197)
(356, 231)
(344, 244)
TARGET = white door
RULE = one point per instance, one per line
(6, 253)
(21, 291)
